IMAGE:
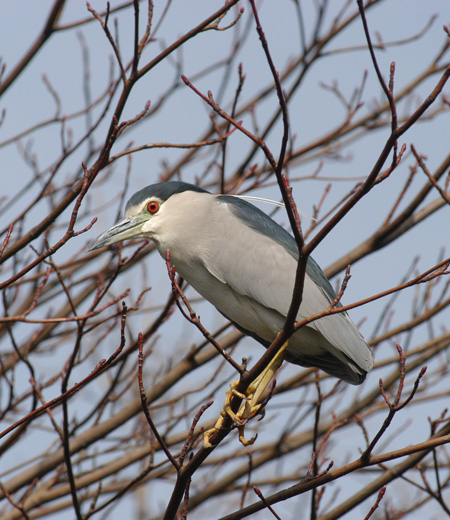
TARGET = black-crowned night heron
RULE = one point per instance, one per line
(244, 263)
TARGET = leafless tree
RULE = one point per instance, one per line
(106, 387)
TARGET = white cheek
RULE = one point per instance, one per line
(148, 226)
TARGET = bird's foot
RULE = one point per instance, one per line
(250, 405)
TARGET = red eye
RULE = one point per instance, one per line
(153, 207)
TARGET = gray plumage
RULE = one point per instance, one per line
(244, 263)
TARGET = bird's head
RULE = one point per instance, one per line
(142, 213)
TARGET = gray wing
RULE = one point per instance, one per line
(259, 262)
(261, 223)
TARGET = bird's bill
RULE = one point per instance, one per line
(127, 228)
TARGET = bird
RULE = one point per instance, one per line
(244, 263)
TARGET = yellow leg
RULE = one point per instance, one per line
(250, 406)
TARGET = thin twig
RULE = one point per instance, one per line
(143, 396)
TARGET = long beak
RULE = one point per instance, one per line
(127, 228)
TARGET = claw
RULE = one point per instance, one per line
(250, 406)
